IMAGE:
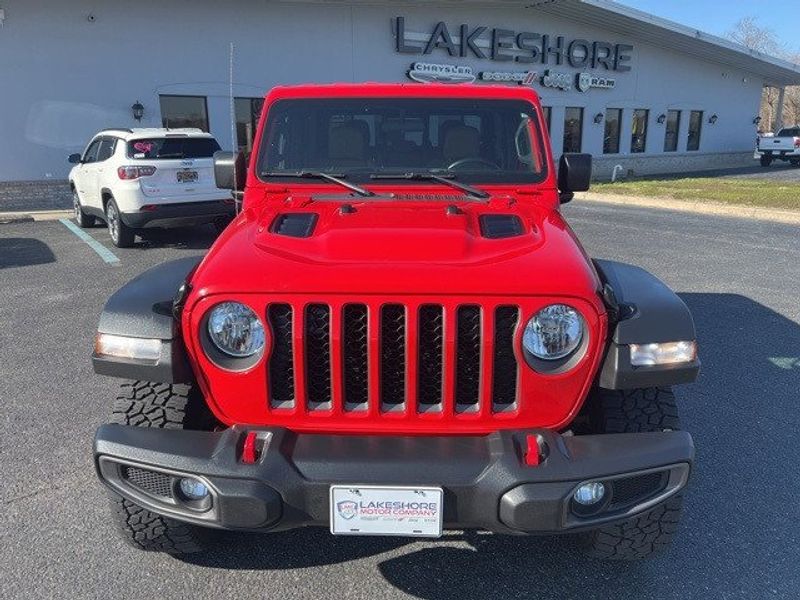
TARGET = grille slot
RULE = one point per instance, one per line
(430, 356)
(393, 355)
(632, 490)
(152, 482)
(281, 361)
(468, 358)
(354, 349)
(504, 374)
(318, 356)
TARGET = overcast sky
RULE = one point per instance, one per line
(720, 16)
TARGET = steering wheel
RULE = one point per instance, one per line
(480, 161)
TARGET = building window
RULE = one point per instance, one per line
(673, 127)
(248, 111)
(548, 114)
(184, 111)
(573, 129)
(611, 136)
(639, 131)
(695, 129)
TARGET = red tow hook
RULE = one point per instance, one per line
(249, 450)
(533, 452)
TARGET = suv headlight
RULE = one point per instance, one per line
(235, 329)
(554, 332)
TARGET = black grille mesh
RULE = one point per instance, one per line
(355, 354)
(638, 488)
(152, 482)
(393, 354)
(281, 361)
(430, 342)
(468, 356)
(504, 374)
(318, 353)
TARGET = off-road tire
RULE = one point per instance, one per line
(121, 235)
(163, 406)
(634, 411)
(766, 161)
(795, 162)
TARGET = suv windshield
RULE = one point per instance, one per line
(172, 147)
(479, 141)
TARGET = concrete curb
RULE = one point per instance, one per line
(704, 207)
(34, 215)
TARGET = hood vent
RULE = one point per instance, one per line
(496, 227)
(299, 225)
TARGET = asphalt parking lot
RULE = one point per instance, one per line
(742, 520)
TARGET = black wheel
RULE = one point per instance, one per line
(122, 235)
(81, 218)
(795, 162)
(766, 160)
(634, 411)
(163, 406)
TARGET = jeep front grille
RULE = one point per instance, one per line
(393, 358)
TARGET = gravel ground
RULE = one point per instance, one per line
(742, 520)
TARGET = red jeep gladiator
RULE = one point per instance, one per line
(399, 334)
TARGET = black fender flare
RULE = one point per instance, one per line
(647, 311)
(143, 308)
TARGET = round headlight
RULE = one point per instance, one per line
(235, 329)
(554, 332)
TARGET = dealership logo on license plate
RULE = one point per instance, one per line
(384, 510)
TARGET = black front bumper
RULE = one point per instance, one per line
(486, 481)
(181, 214)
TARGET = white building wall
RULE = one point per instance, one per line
(64, 76)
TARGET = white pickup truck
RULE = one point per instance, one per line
(785, 145)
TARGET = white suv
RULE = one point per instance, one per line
(137, 178)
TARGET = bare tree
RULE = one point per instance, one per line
(750, 34)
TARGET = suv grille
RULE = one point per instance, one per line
(393, 358)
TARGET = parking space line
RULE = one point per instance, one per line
(104, 253)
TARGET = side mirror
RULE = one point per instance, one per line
(230, 170)
(74, 159)
(574, 175)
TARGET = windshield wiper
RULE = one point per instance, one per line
(336, 178)
(445, 179)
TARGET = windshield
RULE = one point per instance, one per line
(789, 132)
(479, 141)
(172, 147)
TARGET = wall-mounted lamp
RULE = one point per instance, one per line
(661, 119)
(138, 110)
(712, 120)
(598, 118)
(757, 121)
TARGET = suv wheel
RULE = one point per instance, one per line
(81, 218)
(121, 234)
(634, 411)
(163, 406)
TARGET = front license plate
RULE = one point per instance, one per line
(187, 176)
(380, 510)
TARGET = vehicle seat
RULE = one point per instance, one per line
(459, 141)
(347, 144)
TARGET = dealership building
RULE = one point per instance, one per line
(642, 94)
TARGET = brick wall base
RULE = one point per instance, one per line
(35, 195)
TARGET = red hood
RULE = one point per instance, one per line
(397, 247)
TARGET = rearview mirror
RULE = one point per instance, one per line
(574, 175)
(230, 170)
(74, 159)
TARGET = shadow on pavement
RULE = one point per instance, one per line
(185, 238)
(24, 252)
(741, 507)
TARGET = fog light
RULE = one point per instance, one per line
(590, 493)
(193, 489)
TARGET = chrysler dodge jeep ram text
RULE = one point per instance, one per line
(399, 334)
